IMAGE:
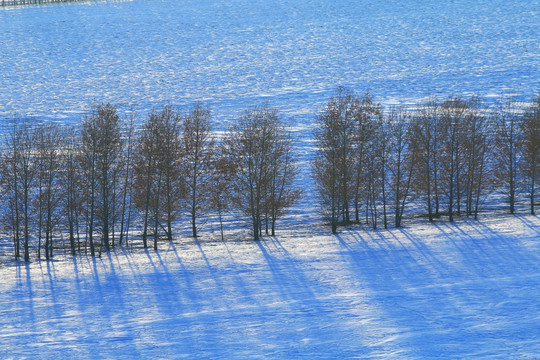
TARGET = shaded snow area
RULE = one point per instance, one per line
(463, 290)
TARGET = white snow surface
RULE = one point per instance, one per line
(56, 60)
(463, 290)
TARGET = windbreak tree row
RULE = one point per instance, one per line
(447, 155)
(105, 181)
(110, 181)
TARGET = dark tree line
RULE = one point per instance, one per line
(100, 183)
(448, 155)
(108, 181)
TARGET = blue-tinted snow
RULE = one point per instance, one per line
(462, 291)
(55, 60)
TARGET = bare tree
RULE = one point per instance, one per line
(222, 183)
(144, 171)
(281, 192)
(18, 179)
(198, 152)
(158, 187)
(169, 167)
(368, 119)
(102, 146)
(508, 149)
(530, 128)
(127, 187)
(400, 161)
(453, 114)
(49, 143)
(72, 184)
(476, 145)
(373, 133)
(251, 148)
(426, 136)
(10, 183)
(334, 160)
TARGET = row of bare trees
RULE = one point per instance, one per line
(101, 183)
(109, 179)
(448, 155)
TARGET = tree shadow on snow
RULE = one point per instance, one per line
(438, 290)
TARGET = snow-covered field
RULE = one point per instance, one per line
(468, 290)
(465, 290)
(55, 60)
